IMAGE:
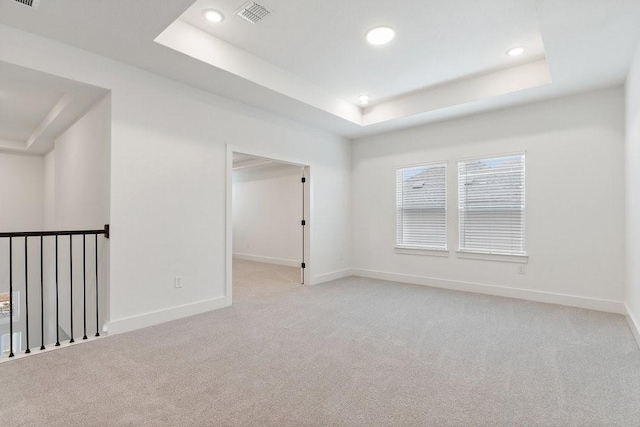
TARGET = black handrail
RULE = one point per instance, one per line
(104, 231)
(41, 235)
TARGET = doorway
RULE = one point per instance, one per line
(268, 223)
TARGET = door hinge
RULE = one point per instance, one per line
(304, 265)
(304, 222)
(304, 179)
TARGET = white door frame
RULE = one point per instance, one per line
(308, 208)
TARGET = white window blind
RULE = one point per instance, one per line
(421, 207)
(491, 205)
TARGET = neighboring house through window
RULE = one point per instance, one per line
(421, 207)
(491, 205)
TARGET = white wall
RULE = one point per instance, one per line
(575, 200)
(49, 190)
(168, 183)
(633, 191)
(21, 192)
(267, 210)
(82, 171)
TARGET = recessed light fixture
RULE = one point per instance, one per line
(364, 100)
(380, 35)
(515, 51)
(213, 15)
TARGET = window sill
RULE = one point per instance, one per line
(518, 259)
(424, 252)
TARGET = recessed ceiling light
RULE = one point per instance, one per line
(213, 15)
(380, 35)
(364, 100)
(515, 51)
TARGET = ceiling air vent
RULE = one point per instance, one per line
(253, 12)
(31, 3)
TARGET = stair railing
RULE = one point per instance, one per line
(56, 234)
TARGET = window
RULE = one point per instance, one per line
(4, 306)
(421, 207)
(491, 205)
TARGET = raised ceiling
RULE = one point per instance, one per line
(447, 53)
(308, 60)
(323, 42)
(35, 108)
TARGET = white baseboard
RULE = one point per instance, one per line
(35, 350)
(633, 325)
(335, 275)
(268, 260)
(119, 326)
(525, 294)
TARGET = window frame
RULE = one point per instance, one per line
(417, 249)
(489, 254)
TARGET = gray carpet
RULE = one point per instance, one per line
(351, 352)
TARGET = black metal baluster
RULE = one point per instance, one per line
(71, 284)
(10, 297)
(97, 322)
(304, 223)
(42, 292)
(57, 307)
(26, 291)
(56, 234)
(84, 283)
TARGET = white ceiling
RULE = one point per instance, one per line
(323, 41)
(35, 108)
(24, 102)
(308, 60)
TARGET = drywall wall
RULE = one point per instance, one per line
(77, 180)
(21, 192)
(82, 171)
(49, 190)
(168, 183)
(633, 193)
(267, 210)
(574, 200)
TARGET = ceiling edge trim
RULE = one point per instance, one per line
(189, 40)
(463, 91)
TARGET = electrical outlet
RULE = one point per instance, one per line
(177, 282)
(521, 269)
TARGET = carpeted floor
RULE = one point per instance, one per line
(355, 352)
